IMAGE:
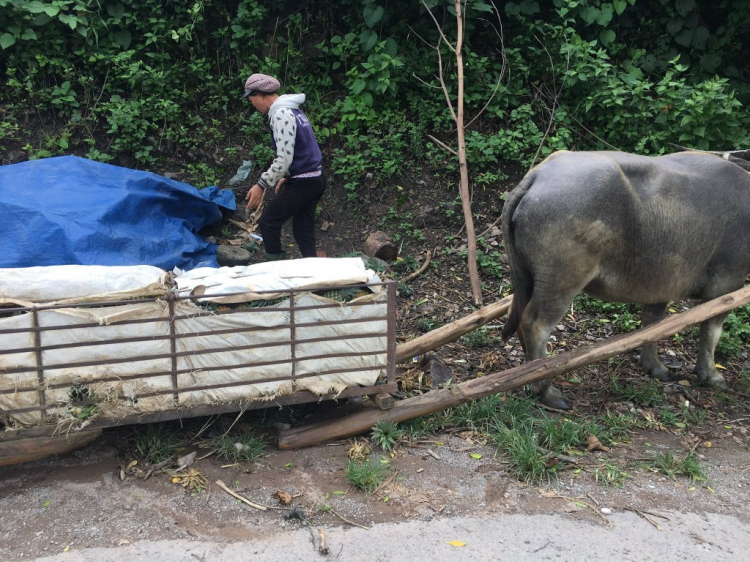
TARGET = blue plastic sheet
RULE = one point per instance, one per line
(69, 210)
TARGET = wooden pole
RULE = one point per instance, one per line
(503, 381)
(453, 331)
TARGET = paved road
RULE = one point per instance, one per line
(516, 538)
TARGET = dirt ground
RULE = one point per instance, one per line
(78, 501)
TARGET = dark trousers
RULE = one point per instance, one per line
(297, 199)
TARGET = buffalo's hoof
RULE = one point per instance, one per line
(714, 380)
(553, 398)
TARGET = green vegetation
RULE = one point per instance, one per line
(735, 337)
(386, 435)
(527, 461)
(153, 83)
(646, 394)
(156, 442)
(670, 465)
(236, 448)
(478, 338)
(366, 475)
(609, 474)
(530, 439)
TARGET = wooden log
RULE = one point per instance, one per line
(503, 381)
(453, 331)
(379, 245)
(35, 448)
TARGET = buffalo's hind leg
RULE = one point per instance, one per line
(705, 367)
(650, 314)
(539, 318)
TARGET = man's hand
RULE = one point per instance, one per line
(278, 185)
(254, 197)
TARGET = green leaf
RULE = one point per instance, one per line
(123, 38)
(339, 493)
(684, 37)
(700, 36)
(684, 7)
(674, 25)
(589, 14)
(70, 21)
(29, 35)
(605, 15)
(368, 39)
(481, 7)
(116, 10)
(373, 14)
(6, 40)
(391, 47)
(529, 8)
(358, 86)
(607, 36)
(34, 7)
(475, 456)
(619, 6)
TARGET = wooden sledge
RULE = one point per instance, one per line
(35, 448)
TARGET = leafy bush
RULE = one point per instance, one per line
(735, 337)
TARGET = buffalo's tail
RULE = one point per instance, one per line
(521, 277)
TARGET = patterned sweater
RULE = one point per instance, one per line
(297, 151)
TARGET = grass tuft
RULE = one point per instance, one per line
(386, 435)
(365, 476)
(237, 448)
(156, 442)
(527, 461)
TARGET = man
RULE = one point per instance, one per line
(296, 173)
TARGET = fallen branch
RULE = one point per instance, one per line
(347, 521)
(503, 381)
(645, 515)
(419, 272)
(223, 486)
(582, 504)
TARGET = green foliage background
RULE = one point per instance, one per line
(162, 79)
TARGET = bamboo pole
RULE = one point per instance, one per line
(503, 381)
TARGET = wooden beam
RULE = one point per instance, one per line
(453, 331)
(35, 448)
(503, 381)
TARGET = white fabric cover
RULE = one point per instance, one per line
(119, 383)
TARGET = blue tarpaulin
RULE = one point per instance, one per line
(69, 210)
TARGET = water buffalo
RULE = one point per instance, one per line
(625, 228)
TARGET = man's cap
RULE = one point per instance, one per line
(261, 83)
